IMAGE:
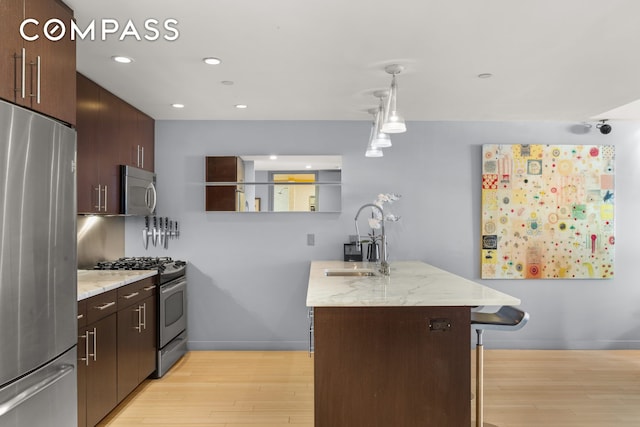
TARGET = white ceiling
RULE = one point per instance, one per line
(563, 60)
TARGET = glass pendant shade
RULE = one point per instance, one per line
(379, 138)
(382, 140)
(393, 122)
(373, 152)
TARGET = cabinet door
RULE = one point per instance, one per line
(102, 370)
(136, 345)
(11, 15)
(98, 149)
(392, 366)
(221, 198)
(88, 173)
(129, 140)
(146, 134)
(222, 169)
(83, 360)
(82, 377)
(108, 141)
(51, 65)
(129, 325)
(148, 339)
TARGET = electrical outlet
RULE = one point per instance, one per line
(311, 239)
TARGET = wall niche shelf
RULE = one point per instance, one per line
(260, 183)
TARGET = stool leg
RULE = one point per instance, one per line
(479, 379)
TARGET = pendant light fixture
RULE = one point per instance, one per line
(393, 122)
(373, 151)
(379, 138)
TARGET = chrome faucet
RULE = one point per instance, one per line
(384, 258)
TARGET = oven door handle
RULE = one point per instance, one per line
(172, 288)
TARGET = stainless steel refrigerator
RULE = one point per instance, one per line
(38, 270)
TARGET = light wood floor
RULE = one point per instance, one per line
(523, 388)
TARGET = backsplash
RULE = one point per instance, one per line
(100, 238)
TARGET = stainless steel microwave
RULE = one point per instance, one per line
(138, 191)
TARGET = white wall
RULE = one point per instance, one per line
(248, 272)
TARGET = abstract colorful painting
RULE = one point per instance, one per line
(548, 211)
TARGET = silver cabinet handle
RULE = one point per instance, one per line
(22, 88)
(24, 73)
(310, 316)
(38, 81)
(131, 295)
(144, 316)
(139, 311)
(105, 305)
(85, 359)
(80, 316)
(37, 65)
(140, 153)
(95, 339)
(29, 392)
(105, 197)
(99, 190)
(149, 288)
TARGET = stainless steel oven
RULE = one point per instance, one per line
(172, 323)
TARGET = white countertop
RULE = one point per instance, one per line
(411, 283)
(94, 282)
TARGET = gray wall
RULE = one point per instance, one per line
(248, 272)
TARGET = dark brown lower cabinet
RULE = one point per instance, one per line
(116, 347)
(81, 369)
(136, 345)
(392, 366)
(97, 376)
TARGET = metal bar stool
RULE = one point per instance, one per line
(506, 319)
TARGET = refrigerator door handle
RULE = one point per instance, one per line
(30, 392)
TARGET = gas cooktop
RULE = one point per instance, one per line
(167, 267)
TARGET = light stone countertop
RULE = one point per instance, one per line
(411, 283)
(95, 282)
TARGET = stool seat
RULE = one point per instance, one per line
(506, 319)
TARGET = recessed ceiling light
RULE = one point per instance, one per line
(122, 59)
(485, 75)
(273, 157)
(308, 166)
(177, 105)
(212, 61)
(227, 82)
(241, 106)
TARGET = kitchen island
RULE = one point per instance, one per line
(393, 350)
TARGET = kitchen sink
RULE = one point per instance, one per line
(350, 273)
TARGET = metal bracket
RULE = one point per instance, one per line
(439, 325)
